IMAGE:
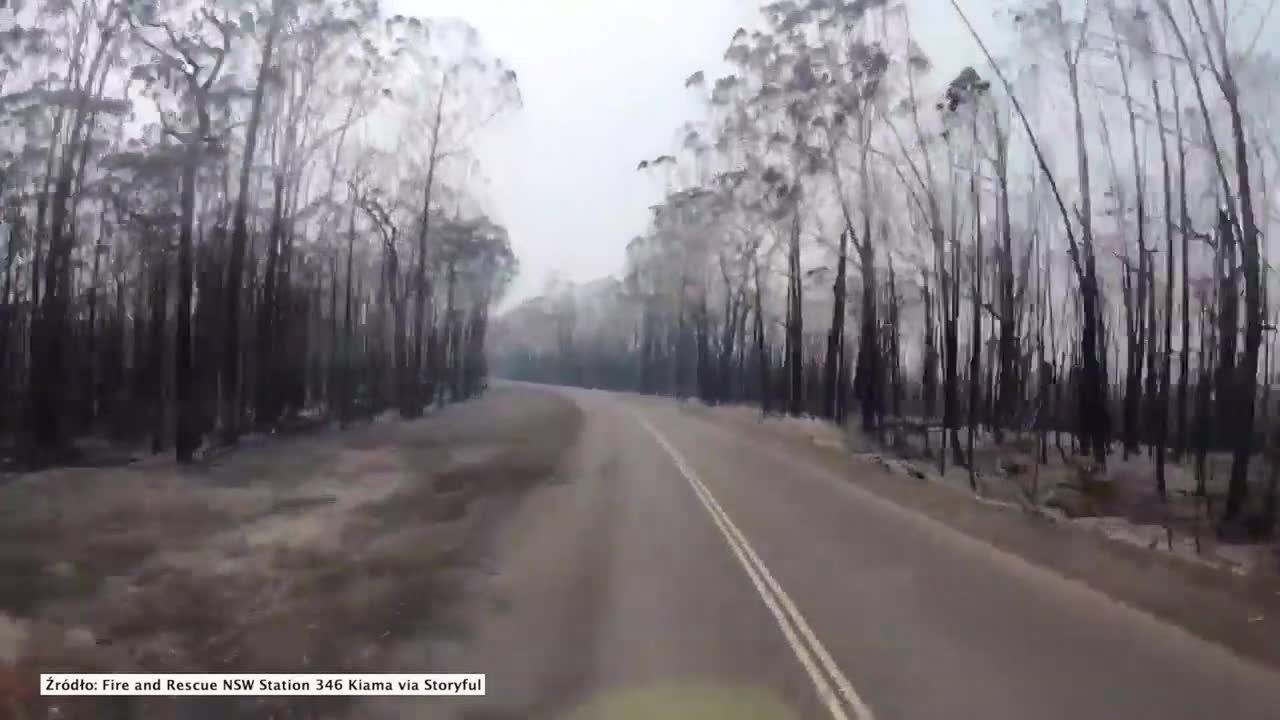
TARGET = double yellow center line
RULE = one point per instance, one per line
(833, 688)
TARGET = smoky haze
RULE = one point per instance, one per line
(776, 359)
(603, 86)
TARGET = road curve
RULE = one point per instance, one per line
(682, 568)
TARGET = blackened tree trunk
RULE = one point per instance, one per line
(951, 376)
(154, 378)
(239, 240)
(929, 379)
(141, 363)
(762, 356)
(1007, 399)
(869, 379)
(1162, 418)
(347, 373)
(1140, 331)
(1094, 417)
(795, 324)
(90, 400)
(49, 323)
(1132, 368)
(1225, 408)
(1153, 376)
(1245, 386)
(451, 280)
(6, 313)
(266, 390)
(40, 229)
(1184, 369)
(422, 288)
(835, 337)
(702, 350)
(975, 359)
(398, 340)
(895, 350)
(738, 389)
(1246, 390)
(187, 438)
(333, 394)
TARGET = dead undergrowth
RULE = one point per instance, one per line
(313, 553)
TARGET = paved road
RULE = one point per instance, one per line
(680, 564)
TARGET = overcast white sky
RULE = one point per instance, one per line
(603, 86)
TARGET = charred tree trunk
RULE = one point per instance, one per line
(231, 412)
(266, 404)
(90, 400)
(1246, 383)
(835, 337)
(895, 350)
(1094, 417)
(975, 360)
(7, 303)
(422, 289)
(929, 381)
(1225, 408)
(347, 373)
(1184, 368)
(187, 438)
(333, 391)
(762, 356)
(951, 390)
(1007, 400)
(1162, 415)
(795, 323)
(1153, 376)
(1139, 329)
(154, 379)
(868, 381)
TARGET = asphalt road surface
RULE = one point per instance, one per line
(682, 568)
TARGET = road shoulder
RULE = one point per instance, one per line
(1238, 613)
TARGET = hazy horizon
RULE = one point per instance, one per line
(603, 88)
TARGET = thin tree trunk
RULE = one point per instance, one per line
(831, 369)
(347, 372)
(1092, 396)
(929, 381)
(231, 401)
(1246, 383)
(91, 349)
(975, 359)
(762, 356)
(188, 433)
(1228, 324)
(421, 283)
(1184, 220)
(333, 393)
(1007, 401)
(7, 303)
(795, 326)
(266, 389)
(1162, 438)
(155, 375)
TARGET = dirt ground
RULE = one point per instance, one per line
(1120, 502)
(317, 552)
